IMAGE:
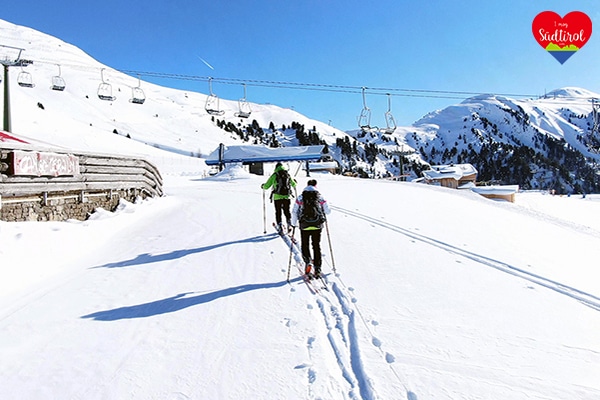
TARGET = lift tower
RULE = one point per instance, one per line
(8, 61)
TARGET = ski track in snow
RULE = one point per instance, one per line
(585, 298)
(338, 310)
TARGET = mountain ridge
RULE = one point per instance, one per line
(537, 143)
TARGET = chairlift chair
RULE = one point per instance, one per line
(58, 83)
(389, 118)
(364, 120)
(137, 94)
(212, 102)
(24, 79)
(105, 89)
(244, 109)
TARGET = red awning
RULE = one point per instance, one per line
(8, 137)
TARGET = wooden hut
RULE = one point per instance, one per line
(453, 176)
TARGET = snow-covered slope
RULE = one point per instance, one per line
(550, 115)
(554, 131)
(439, 294)
(544, 143)
(169, 119)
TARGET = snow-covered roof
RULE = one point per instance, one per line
(255, 153)
(316, 166)
(496, 190)
(456, 171)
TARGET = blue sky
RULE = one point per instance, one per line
(421, 51)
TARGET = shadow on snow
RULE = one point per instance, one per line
(177, 303)
(147, 258)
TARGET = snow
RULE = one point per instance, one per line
(456, 171)
(496, 189)
(170, 119)
(443, 295)
(255, 153)
(436, 294)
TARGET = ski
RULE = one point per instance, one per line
(309, 279)
(315, 283)
(283, 234)
(323, 284)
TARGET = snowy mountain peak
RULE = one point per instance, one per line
(572, 93)
(556, 129)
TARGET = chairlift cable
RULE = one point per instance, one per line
(400, 92)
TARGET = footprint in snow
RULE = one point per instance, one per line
(411, 396)
(390, 358)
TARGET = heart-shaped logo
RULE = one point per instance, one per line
(562, 36)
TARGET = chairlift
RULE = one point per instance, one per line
(212, 102)
(244, 107)
(24, 79)
(105, 89)
(389, 118)
(137, 94)
(58, 83)
(364, 120)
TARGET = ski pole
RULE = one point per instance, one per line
(330, 248)
(291, 251)
(264, 213)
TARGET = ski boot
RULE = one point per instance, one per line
(317, 273)
(308, 269)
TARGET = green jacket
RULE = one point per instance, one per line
(272, 181)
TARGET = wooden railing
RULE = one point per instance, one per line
(29, 172)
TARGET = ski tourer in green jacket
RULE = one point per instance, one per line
(282, 184)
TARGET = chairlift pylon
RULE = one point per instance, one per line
(212, 102)
(137, 94)
(105, 89)
(389, 118)
(595, 116)
(244, 109)
(364, 120)
(24, 79)
(58, 83)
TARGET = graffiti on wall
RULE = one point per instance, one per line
(37, 163)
